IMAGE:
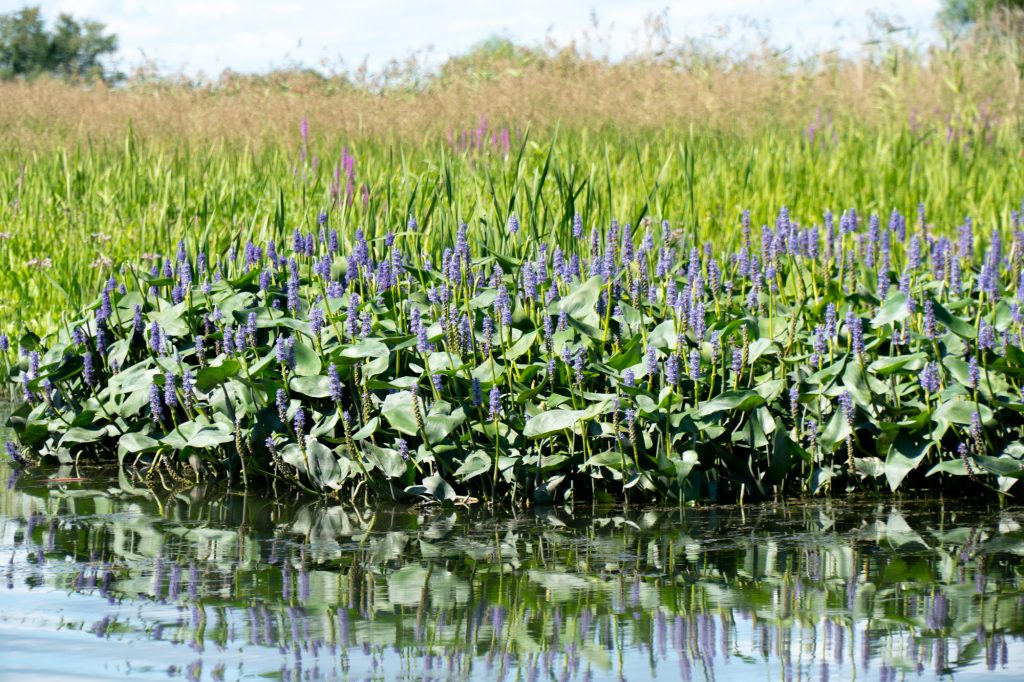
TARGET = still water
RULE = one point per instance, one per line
(100, 579)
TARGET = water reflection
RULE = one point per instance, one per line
(99, 578)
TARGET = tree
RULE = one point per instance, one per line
(72, 50)
(962, 13)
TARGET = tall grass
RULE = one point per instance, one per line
(90, 177)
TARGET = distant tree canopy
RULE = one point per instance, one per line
(960, 13)
(72, 49)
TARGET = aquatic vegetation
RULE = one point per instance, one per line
(635, 363)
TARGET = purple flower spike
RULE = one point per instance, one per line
(495, 403)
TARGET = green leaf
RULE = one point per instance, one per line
(209, 378)
(435, 487)
(581, 304)
(893, 310)
(963, 329)
(554, 421)
(398, 411)
(836, 431)
(136, 442)
(890, 365)
(477, 463)
(307, 362)
(318, 386)
(366, 348)
(77, 435)
(742, 400)
(386, 460)
(324, 466)
(904, 456)
(521, 346)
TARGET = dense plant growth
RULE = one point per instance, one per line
(630, 362)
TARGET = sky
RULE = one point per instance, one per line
(208, 36)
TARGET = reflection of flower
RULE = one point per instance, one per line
(40, 263)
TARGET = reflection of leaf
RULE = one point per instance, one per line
(405, 586)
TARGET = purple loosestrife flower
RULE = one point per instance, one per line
(155, 337)
(415, 320)
(494, 407)
(830, 320)
(914, 254)
(965, 241)
(170, 394)
(156, 408)
(229, 340)
(293, 286)
(672, 370)
(477, 393)
(930, 381)
(334, 382)
(281, 350)
(88, 371)
(316, 321)
(976, 433)
(986, 335)
(846, 404)
(974, 373)
(188, 384)
(737, 360)
(137, 324)
(282, 405)
(695, 372)
(101, 339)
(352, 315)
(930, 325)
(106, 309)
(200, 346)
(652, 362)
(13, 452)
(819, 343)
(856, 331)
(422, 340)
(630, 415)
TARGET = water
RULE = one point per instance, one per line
(101, 580)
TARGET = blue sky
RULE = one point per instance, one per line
(254, 35)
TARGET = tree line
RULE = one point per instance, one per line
(78, 49)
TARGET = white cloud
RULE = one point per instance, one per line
(211, 35)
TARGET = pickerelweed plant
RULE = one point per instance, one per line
(637, 364)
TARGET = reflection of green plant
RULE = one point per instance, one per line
(418, 582)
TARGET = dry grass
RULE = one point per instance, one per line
(759, 92)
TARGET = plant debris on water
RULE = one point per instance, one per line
(631, 361)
